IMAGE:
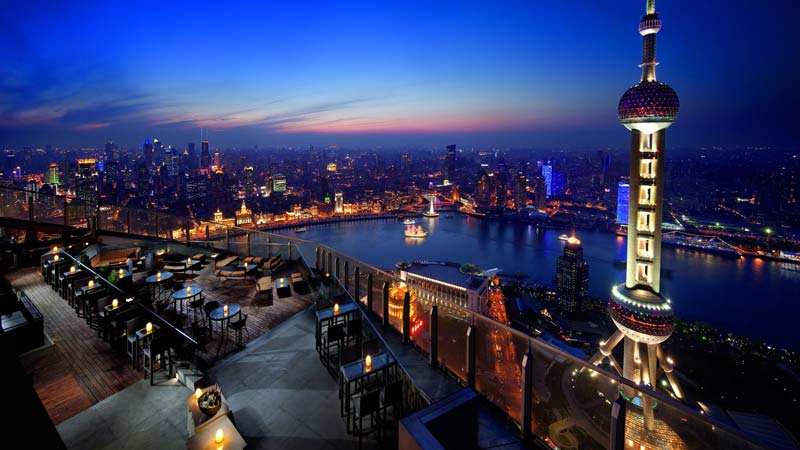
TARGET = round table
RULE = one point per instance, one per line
(153, 280)
(217, 314)
(183, 295)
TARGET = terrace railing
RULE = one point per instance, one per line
(547, 391)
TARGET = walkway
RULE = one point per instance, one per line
(80, 369)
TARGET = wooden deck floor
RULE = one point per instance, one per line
(80, 369)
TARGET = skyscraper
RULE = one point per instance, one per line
(450, 164)
(205, 156)
(643, 316)
(52, 174)
(623, 195)
(147, 152)
(279, 183)
(339, 203)
(572, 276)
(191, 155)
(547, 173)
(520, 191)
(540, 190)
(249, 185)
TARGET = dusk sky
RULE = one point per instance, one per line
(528, 73)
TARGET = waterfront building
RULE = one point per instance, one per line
(547, 173)
(339, 202)
(540, 190)
(52, 174)
(249, 184)
(520, 191)
(572, 276)
(446, 283)
(243, 216)
(623, 192)
(643, 316)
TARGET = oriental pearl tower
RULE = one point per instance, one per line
(643, 316)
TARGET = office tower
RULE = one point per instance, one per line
(450, 165)
(217, 161)
(52, 174)
(279, 183)
(170, 162)
(191, 156)
(623, 195)
(572, 276)
(249, 185)
(558, 185)
(205, 156)
(547, 173)
(643, 316)
(147, 152)
(520, 191)
(339, 203)
(540, 190)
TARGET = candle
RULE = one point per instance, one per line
(148, 328)
(91, 284)
(158, 276)
(368, 363)
(189, 261)
(336, 308)
(72, 269)
(218, 438)
(55, 258)
(55, 249)
(121, 273)
(188, 290)
(114, 303)
(225, 309)
(198, 393)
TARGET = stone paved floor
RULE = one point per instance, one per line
(280, 394)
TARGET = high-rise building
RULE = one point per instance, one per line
(572, 276)
(450, 164)
(520, 191)
(540, 190)
(249, 175)
(147, 152)
(623, 195)
(339, 203)
(170, 162)
(52, 174)
(643, 316)
(191, 156)
(547, 173)
(279, 183)
(205, 156)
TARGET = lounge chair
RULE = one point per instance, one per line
(264, 284)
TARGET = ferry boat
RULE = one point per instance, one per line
(409, 221)
(300, 230)
(700, 243)
(415, 231)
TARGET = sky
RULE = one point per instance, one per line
(528, 74)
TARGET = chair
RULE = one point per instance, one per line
(353, 331)
(237, 327)
(365, 406)
(196, 305)
(207, 308)
(132, 347)
(332, 339)
(156, 349)
(264, 284)
(392, 397)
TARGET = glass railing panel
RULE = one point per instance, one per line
(48, 208)
(377, 292)
(571, 402)
(452, 341)
(142, 222)
(363, 281)
(498, 363)
(78, 213)
(420, 318)
(237, 243)
(112, 218)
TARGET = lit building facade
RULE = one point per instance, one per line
(445, 283)
(547, 173)
(643, 316)
(623, 194)
(279, 183)
(572, 276)
(244, 216)
(339, 203)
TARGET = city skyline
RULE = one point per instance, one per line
(279, 76)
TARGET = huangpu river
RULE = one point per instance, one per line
(746, 296)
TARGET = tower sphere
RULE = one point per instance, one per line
(641, 314)
(648, 107)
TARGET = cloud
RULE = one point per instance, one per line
(92, 126)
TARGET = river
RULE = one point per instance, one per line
(746, 296)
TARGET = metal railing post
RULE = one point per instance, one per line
(169, 224)
(227, 239)
(357, 287)
(618, 412)
(128, 214)
(433, 357)
(347, 276)
(31, 215)
(407, 317)
(156, 215)
(385, 303)
(336, 269)
(369, 292)
(527, 393)
(471, 356)
(188, 232)
(208, 234)
(247, 242)
(66, 215)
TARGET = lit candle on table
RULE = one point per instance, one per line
(55, 249)
(91, 284)
(336, 308)
(55, 258)
(219, 437)
(72, 269)
(188, 290)
(225, 309)
(158, 276)
(121, 273)
(198, 393)
(114, 303)
(368, 363)
(148, 328)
